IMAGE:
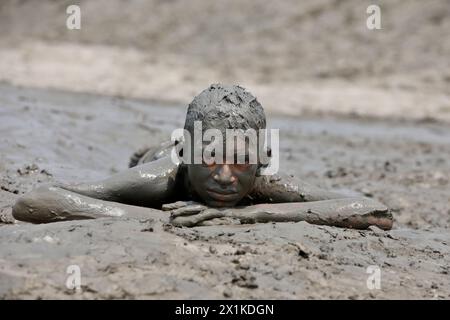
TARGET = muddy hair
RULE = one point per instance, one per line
(225, 107)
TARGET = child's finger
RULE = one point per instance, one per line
(193, 220)
(220, 221)
(187, 211)
(172, 206)
(176, 205)
(208, 214)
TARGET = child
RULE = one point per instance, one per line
(209, 192)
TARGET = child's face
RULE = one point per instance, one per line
(222, 185)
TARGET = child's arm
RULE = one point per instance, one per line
(52, 204)
(284, 188)
(357, 213)
(147, 185)
(284, 198)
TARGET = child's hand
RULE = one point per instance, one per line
(193, 215)
(190, 214)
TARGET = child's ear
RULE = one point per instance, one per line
(262, 166)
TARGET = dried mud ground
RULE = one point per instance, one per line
(50, 136)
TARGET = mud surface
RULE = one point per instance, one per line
(298, 57)
(50, 136)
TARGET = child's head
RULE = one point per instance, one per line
(224, 107)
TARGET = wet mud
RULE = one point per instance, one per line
(48, 136)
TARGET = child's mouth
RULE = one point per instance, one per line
(224, 195)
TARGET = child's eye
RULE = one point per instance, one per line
(211, 158)
(242, 166)
(211, 163)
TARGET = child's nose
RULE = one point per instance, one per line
(224, 175)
